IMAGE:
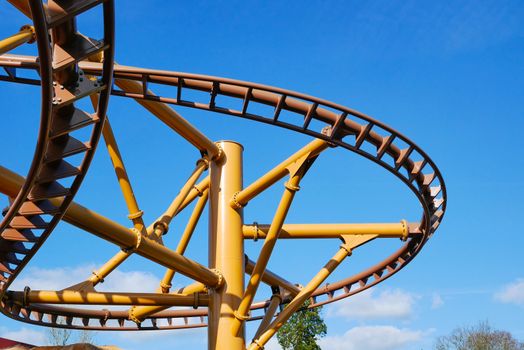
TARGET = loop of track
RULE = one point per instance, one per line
(346, 128)
(53, 180)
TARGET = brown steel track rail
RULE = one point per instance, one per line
(31, 216)
(343, 127)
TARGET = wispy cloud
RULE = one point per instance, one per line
(60, 278)
(370, 305)
(436, 301)
(512, 293)
(373, 338)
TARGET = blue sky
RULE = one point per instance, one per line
(447, 75)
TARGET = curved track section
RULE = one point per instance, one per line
(61, 160)
(339, 125)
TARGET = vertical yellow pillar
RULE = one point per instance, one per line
(226, 248)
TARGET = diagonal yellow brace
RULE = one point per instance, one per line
(139, 313)
(25, 35)
(297, 171)
(350, 242)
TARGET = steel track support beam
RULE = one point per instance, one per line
(311, 150)
(383, 230)
(92, 222)
(226, 249)
(171, 118)
(27, 297)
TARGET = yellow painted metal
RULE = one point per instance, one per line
(273, 279)
(271, 310)
(386, 230)
(310, 150)
(174, 120)
(226, 249)
(305, 293)
(99, 298)
(195, 192)
(161, 225)
(269, 243)
(135, 214)
(111, 231)
(184, 239)
(139, 313)
(25, 35)
(99, 275)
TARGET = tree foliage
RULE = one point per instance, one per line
(479, 337)
(302, 330)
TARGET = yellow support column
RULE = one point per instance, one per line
(226, 248)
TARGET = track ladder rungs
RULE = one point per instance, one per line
(77, 49)
(65, 146)
(48, 190)
(60, 11)
(38, 208)
(78, 119)
(18, 235)
(57, 170)
(28, 222)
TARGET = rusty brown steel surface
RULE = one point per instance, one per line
(31, 217)
(345, 127)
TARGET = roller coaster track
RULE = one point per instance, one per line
(338, 125)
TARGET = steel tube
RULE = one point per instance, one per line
(299, 300)
(171, 118)
(386, 230)
(273, 279)
(271, 310)
(99, 298)
(25, 35)
(267, 249)
(312, 149)
(226, 249)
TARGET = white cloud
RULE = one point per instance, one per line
(436, 301)
(372, 338)
(512, 293)
(25, 335)
(367, 305)
(60, 278)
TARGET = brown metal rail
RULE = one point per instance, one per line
(343, 127)
(31, 216)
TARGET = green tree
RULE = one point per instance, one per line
(302, 330)
(479, 337)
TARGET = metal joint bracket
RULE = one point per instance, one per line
(138, 241)
(25, 300)
(165, 226)
(195, 300)
(298, 165)
(236, 204)
(100, 279)
(405, 230)
(132, 316)
(221, 280)
(291, 187)
(260, 347)
(136, 215)
(240, 317)
(203, 161)
(219, 156)
(30, 28)
(255, 231)
(347, 248)
(165, 287)
(200, 193)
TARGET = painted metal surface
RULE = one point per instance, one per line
(69, 70)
